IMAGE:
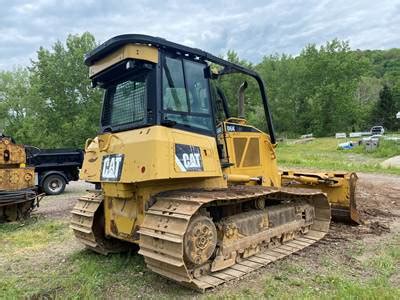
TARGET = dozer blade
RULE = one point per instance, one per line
(339, 187)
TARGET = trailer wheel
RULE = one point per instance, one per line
(54, 184)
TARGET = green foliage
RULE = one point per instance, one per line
(17, 107)
(51, 104)
(323, 90)
(386, 109)
(314, 92)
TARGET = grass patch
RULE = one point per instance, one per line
(386, 149)
(41, 259)
(87, 275)
(299, 280)
(387, 260)
(322, 154)
(33, 266)
(31, 235)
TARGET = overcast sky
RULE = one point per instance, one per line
(252, 28)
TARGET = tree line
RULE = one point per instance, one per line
(323, 90)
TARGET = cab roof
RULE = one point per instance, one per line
(121, 40)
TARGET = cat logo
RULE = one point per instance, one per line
(112, 167)
(188, 158)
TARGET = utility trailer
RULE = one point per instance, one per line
(54, 168)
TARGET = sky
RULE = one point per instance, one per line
(252, 28)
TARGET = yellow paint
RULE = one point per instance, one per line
(266, 168)
(149, 154)
(128, 213)
(149, 168)
(135, 51)
(14, 175)
(338, 192)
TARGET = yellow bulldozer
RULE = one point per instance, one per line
(18, 196)
(196, 189)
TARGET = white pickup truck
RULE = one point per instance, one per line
(377, 130)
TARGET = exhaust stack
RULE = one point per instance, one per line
(240, 96)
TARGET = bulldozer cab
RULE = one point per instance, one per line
(150, 81)
(159, 83)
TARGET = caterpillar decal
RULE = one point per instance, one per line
(188, 158)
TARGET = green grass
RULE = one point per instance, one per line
(87, 275)
(41, 259)
(322, 154)
(386, 149)
(300, 281)
(34, 234)
(50, 264)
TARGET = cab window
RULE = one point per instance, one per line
(186, 99)
(125, 102)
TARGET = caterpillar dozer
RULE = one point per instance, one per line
(201, 196)
(18, 196)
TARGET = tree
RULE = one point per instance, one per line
(51, 103)
(386, 109)
(315, 91)
(17, 105)
(67, 106)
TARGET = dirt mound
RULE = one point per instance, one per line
(393, 162)
(378, 197)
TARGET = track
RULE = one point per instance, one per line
(83, 218)
(162, 241)
(88, 225)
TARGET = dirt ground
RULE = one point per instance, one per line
(60, 206)
(378, 200)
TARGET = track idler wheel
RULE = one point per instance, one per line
(200, 240)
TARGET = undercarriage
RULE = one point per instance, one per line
(204, 238)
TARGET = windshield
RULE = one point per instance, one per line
(126, 102)
(186, 98)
